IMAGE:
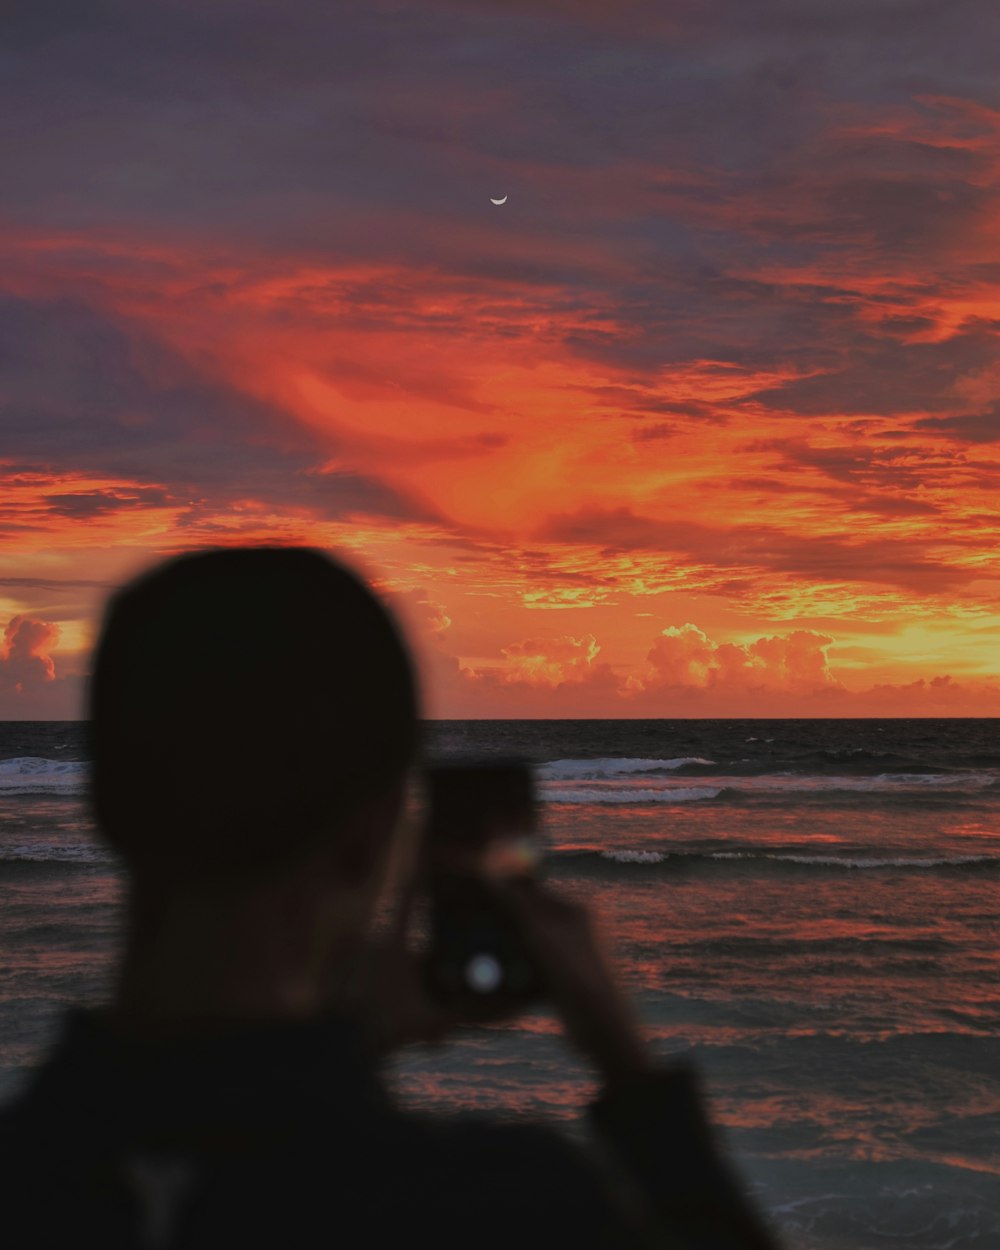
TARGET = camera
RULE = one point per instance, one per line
(481, 827)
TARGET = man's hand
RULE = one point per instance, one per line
(386, 991)
(559, 938)
(387, 997)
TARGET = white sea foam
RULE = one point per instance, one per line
(668, 794)
(30, 775)
(845, 861)
(819, 861)
(637, 780)
(937, 779)
(880, 783)
(44, 852)
(634, 857)
(593, 770)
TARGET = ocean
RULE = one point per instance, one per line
(806, 909)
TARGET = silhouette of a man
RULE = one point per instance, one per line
(254, 722)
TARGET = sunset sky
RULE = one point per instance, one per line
(703, 421)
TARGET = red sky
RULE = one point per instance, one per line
(703, 421)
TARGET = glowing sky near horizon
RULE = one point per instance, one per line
(703, 421)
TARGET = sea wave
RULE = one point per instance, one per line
(599, 769)
(643, 787)
(863, 861)
(760, 858)
(636, 857)
(49, 852)
(675, 794)
(29, 774)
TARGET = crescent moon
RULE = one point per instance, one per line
(493, 201)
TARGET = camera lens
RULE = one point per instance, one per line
(483, 973)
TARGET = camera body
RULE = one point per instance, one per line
(482, 827)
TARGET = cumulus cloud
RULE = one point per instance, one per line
(686, 657)
(686, 673)
(551, 661)
(549, 677)
(438, 620)
(420, 613)
(25, 659)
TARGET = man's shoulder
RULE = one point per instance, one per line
(383, 1144)
(18, 1116)
(515, 1176)
(478, 1140)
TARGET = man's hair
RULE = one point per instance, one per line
(244, 703)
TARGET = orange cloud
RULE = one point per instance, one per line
(24, 654)
(551, 661)
(423, 619)
(741, 370)
(687, 657)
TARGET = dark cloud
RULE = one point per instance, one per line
(290, 108)
(851, 501)
(684, 148)
(85, 504)
(652, 433)
(85, 392)
(641, 401)
(887, 505)
(876, 475)
(901, 563)
(771, 485)
(53, 583)
(878, 377)
(983, 427)
(894, 562)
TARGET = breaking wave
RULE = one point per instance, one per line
(762, 859)
(48, 852)
(656, 781)
(675, 794)
(599, 769)
(30, 775)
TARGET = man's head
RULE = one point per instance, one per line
(245, 704)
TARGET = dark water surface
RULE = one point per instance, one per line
(807, 908)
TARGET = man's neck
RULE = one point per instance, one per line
(199, 964)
